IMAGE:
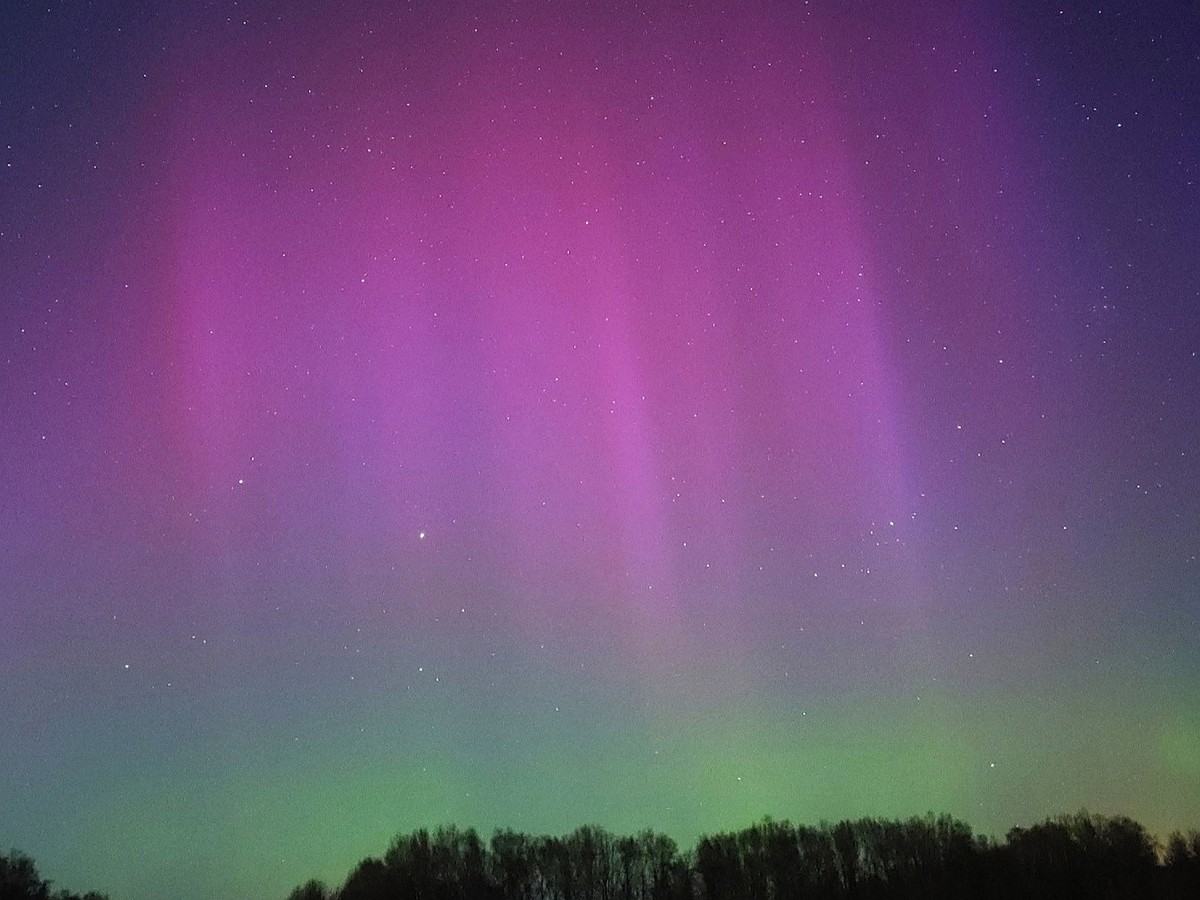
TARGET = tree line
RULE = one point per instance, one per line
(1071, 857)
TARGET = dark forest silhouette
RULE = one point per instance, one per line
(1074, 856)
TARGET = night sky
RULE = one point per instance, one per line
(533, 414)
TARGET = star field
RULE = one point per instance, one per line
(526, 414)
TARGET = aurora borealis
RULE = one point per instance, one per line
(533, 414)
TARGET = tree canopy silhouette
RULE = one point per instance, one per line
(1081, 856)
(19, 878)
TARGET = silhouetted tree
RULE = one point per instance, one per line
(781, 860)
(513, 865)
(670, 877)
(368, 881)
(310, 890)
(1181, 865)
(848, 855)
(553, 863)
(820, 876)
(719, 865)
(1083, 855)
(19, 880)
(631, 870)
